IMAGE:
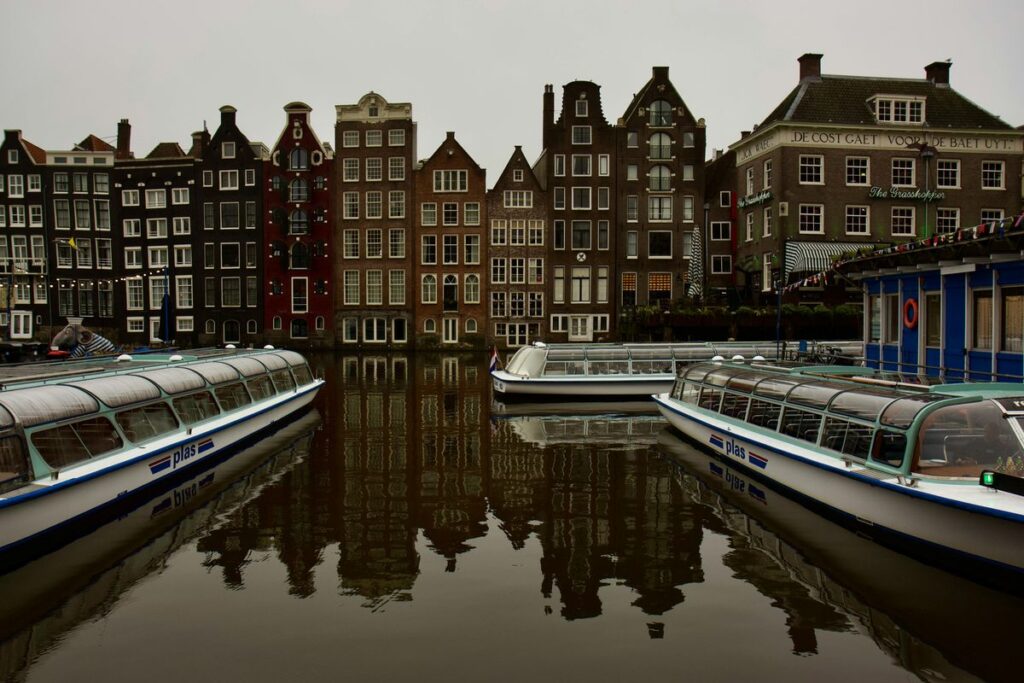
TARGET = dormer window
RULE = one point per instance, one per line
(374, 112)
(581, 107)
(227, 150)
(899, 110)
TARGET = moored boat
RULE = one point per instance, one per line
(577, 372)
(76, 438)
(938, 467)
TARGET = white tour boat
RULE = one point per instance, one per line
(78, 437)
(603, 371)
(938, 467)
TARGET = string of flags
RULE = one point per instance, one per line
(832, 273)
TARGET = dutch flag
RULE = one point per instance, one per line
(494, 359)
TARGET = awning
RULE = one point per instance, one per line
(814, 257)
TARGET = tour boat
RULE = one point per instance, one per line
(78, 437)
(938, 467)
(603, 371)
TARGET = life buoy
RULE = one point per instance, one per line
(910, 313)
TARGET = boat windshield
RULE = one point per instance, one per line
(964, 439)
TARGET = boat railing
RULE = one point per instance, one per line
(943, 372)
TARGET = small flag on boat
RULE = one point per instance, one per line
(494, 359)
(757, 460)
(160, 465)
(205, 445)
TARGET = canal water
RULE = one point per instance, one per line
(408, 529)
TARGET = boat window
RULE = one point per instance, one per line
(775, 387)
(696, 373)
(651, 367)
(5, 418)
(890, 448)
(764, 414)
(800, 424)
(814, 394)
(964, 439)
(719, 377)
(847, 437)
(196, 407)
(260, 388)
(15, 469)
(710, 398)
(744, 382)
(564, 368)
(609, 367)
(147, 422)
(233, 396)
(735, 405)
(863, 404)
(72, 443)
(121, 390)
(53, 403)
(565, 354)
(651, 353)
(901, 413)
(282, 381)
(302, 374)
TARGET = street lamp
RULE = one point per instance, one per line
(926, 152)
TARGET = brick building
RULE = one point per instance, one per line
(517, 214)
(576, 167)
(297, 252)
(25, 311)
(156, 208)
(718, 239)
(373, 190)
(847, 161)
(452, 292)
(228, 244)
(660, 179)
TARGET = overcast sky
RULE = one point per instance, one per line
(75, 67)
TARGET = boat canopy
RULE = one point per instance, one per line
(249, 367)
(294, 359)
(36, 405)
(174, 380)
(121, 390)
(272, 361)
(215, 373)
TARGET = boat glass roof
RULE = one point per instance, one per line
(119, 390)
(745, 381)
(215, 373)
(5, 418)
(777, 387)
(901, 413)
(247, 366)
(174, 380)
(272, 361)
(36, 405)
(292, 357)
(862, 403)
(815, 394)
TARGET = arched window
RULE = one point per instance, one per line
(472, 289)
(660, 179)
(232, 332)
(298, 257)
(211, 327)
(429, 326)
(660, 146)
(451, 293)
(250, 327)
(277, 322)
(300, 330)
(471, 326)
(320, 323)
(661, 113)
(298, 190)
(298, 160)
(298, 222)
(428, 289)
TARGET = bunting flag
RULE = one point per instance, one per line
(981, 230)
(696, 263)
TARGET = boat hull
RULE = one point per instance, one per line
(30, 518)
(509, 387)
(921, 514)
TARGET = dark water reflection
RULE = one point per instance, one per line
(417, 534)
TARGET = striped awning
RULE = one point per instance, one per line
(814, 257)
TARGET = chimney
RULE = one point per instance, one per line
(744, 134)
(810, 67)
(198, 148)
(227, 115)
(549, 113)
(124, 140)
(938, 73)
(660, 73)
(717, 154)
